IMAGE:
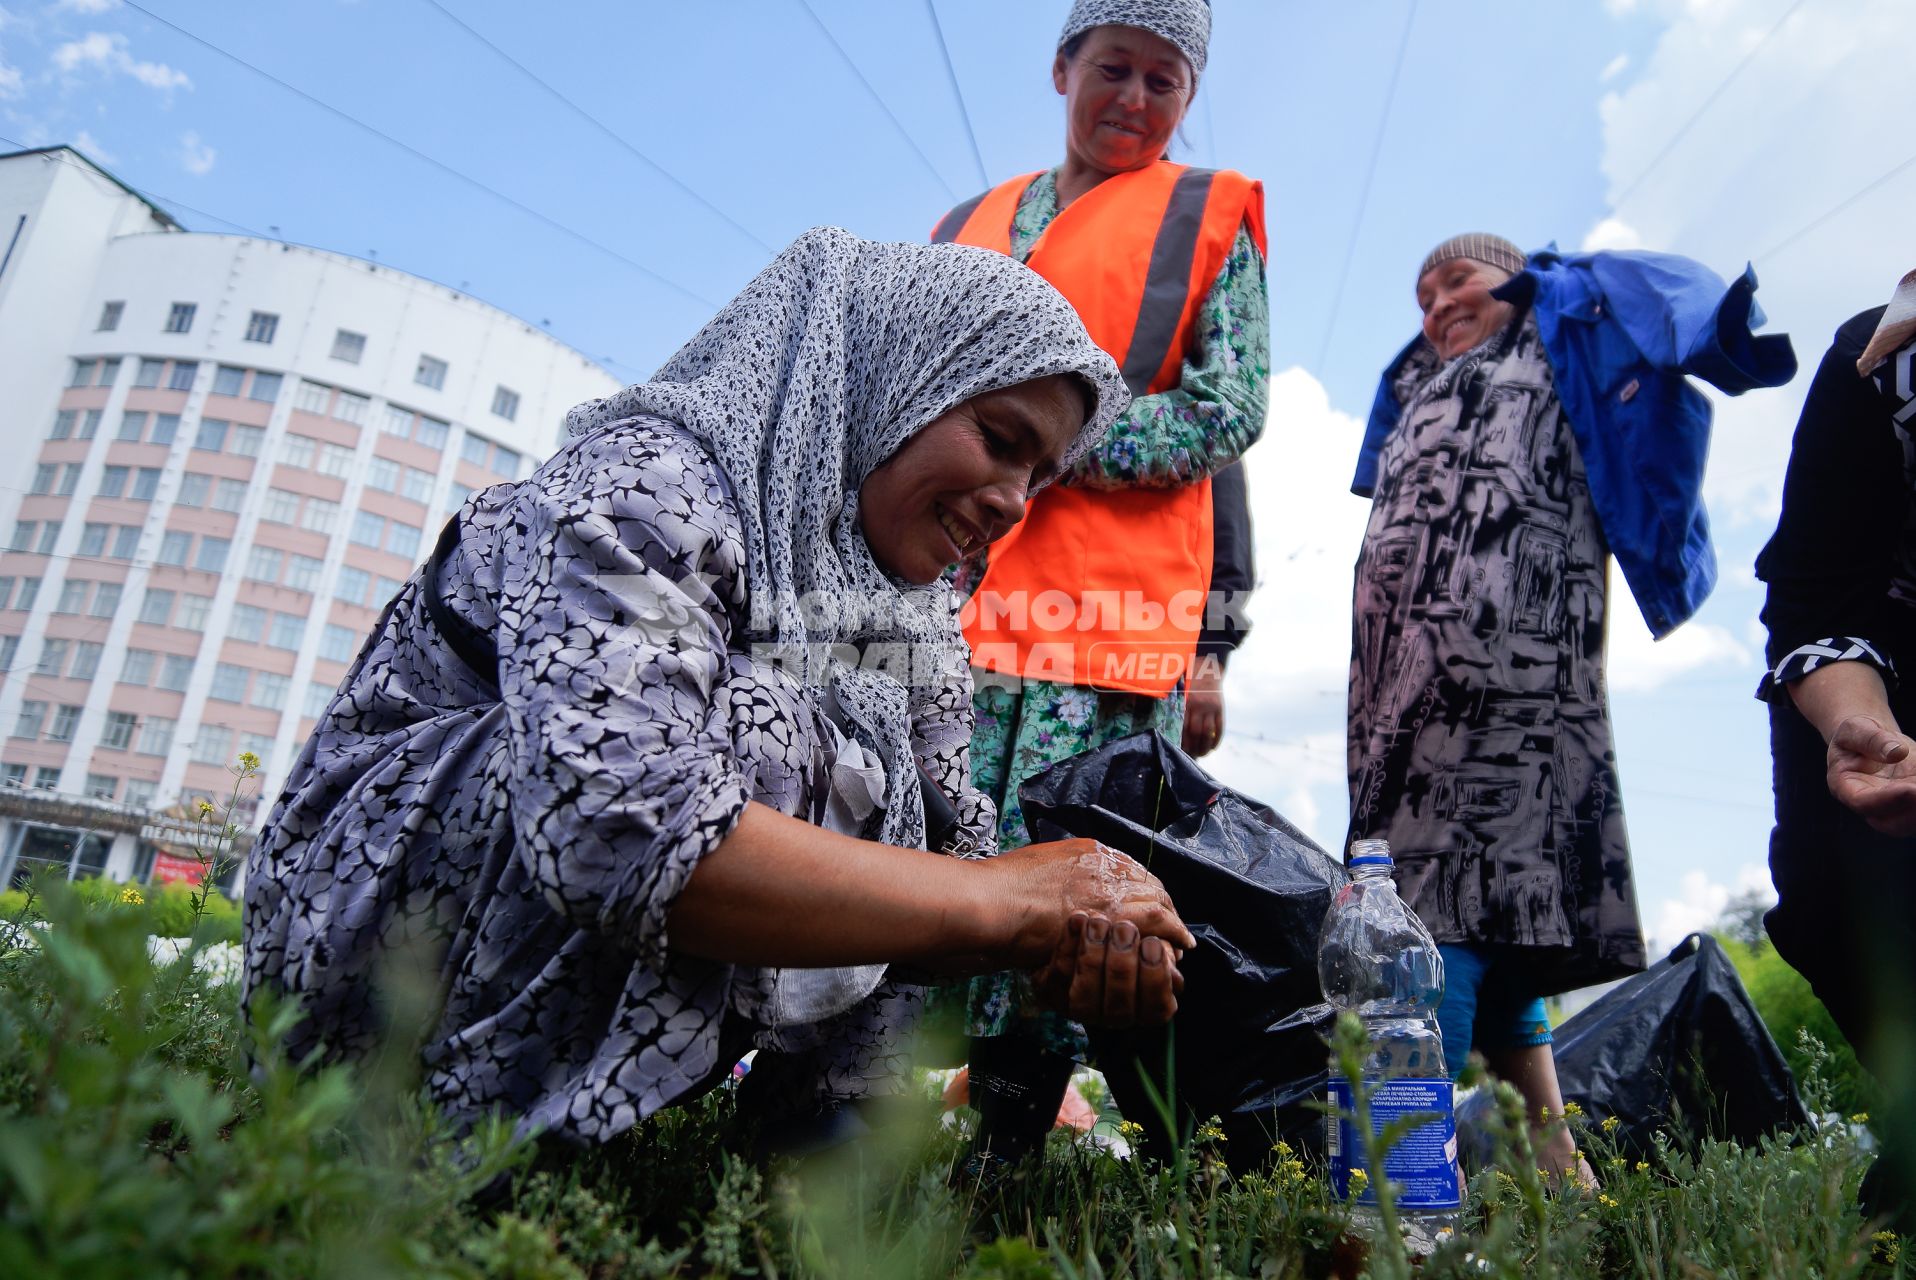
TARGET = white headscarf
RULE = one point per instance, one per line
(1185, 23)
(831, 359)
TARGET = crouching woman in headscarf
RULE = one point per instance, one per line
(640, 759)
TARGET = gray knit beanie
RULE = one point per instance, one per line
(1478, 246)
(1185, 23)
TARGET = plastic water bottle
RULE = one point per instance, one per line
(1376, 959)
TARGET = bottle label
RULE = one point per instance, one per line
(1423, 1163)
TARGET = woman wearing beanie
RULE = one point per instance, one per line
(1540, 424)
(1085, 620)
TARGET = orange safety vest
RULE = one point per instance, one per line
(1106, 587)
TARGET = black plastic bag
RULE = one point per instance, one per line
(1678, 1047)
(1248, 1042)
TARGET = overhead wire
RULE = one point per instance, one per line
(1363, 199)
(951, 74)
(428, 159)
(1832, 211)
(604, 128)
(877, 98)
(1684, 129)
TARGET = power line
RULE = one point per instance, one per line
(436, 163)
(951, 74)
(846, 58)
(603, 127)
(1696, 115)
(1831, 212)
(151, 197)
(1363, 199)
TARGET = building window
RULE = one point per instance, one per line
(383, 474)
(229, 683)
(62, 425)
(193, 611)
(262, 326)
(53, 657)
(140, 793)
(368, 529)
(72, 597)
(165, 427)
(297, 451)
(430, 373)
(228, 380)
(156, 606)
(175, 672)
(505, 403)
(106, 599)
(32, 716)
(6, 598)
(86, 660)
(385, 589)
(246, 441)
(82, 375)
(184, 371)
(319, 515)
(336, 643)
(180, 318)
(138, 667)
(403, 540)
(29, 592)
(49, 537)
(418, 484)
(193, 487)
(113, 481)
(110, 317)
(9, 650)
(348, 346)
(126, 542)
(150, 372)
(266, 386)
(13, 775)
(212, 435)
(109, 372)
(288, 630)
(43, 477)
(146, 483)
(47, 778)
(93, 539)
(132, 427)
(302, 573)
(65, 719)
(156, 735)
(22, 535)
(318, 698)
(312, 397)
(89, 424)
(100, 787)
(335, 460)
(353, 585)
(282, 506)
(432, 432)
(398, 422)
(213, 744)
(260, 744)
(212, 556)
(474, 449)
(69, 479)
(119, 730)
(263, 564)
(229, 495)
(270, 691)
(173, 548)
(249, 622)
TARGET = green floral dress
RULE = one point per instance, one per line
(1175, 437)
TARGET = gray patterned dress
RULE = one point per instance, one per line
(1479, 741)
(602, 664)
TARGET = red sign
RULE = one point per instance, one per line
(170, 868)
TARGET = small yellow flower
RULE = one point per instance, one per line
(1130, 1130)
(1210, 1131)
(1359, 1180)
(1861, 1117)
(1283, 1150)
(1643, 1166)
(1606, 1201)
(248, 760)
(1888, 1245)
(1610, 1124)
(131, 895)
(1616, 1162)
(1571, 1111)
(206, 808)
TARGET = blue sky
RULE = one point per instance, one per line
(1718, 128)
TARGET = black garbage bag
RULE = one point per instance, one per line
(1678, 1047)
(1248, 1042)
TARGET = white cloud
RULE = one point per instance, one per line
(1614, 68)
(85, 6)
(90, 147)
(195, 156)
(1699, 904)
(1611, 233)
(108, 52)
(11, 82)
(1639, 664)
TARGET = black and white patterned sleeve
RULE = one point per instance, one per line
(942, 724)
(1817, 654)
(615, 621)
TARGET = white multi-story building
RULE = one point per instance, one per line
(226, 454)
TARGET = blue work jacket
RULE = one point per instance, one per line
(1621, 329)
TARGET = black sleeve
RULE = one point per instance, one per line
(1233, 565)
(1845, 503)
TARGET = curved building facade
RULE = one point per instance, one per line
(227, 453)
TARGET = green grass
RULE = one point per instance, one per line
(135, 1143)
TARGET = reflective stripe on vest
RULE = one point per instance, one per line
(1105, 587)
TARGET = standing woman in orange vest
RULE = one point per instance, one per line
(1085, 620)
